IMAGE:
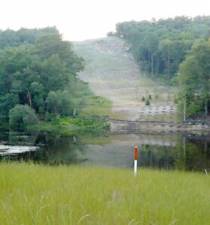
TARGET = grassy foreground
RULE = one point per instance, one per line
(41, 195)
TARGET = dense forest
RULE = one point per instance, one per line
(38, 78)
(160, 46)
(38, 70)
(169, 47)
(194, 80)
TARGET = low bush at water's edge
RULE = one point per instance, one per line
(71, 126)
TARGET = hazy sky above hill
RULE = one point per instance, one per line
(87, 19)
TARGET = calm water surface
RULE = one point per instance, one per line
(164, 151)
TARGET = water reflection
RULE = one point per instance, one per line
(165, 151)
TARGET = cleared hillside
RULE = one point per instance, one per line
(112, 73)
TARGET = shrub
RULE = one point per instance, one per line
(21, 117)
(147, 102)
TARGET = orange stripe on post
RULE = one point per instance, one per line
(136, 152)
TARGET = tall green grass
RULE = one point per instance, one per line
(41, 195)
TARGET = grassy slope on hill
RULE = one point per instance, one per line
(112, 73)
(64, 195)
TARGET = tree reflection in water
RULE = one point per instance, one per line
(190, 152)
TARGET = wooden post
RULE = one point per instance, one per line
(135, 159)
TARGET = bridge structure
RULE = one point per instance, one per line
(129, 126)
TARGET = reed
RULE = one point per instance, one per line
(71, 195)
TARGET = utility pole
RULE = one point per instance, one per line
(184, 110)
(184, 146)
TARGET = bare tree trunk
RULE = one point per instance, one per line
(152, 64)
(168, 63)
(29, 98)
(206, 108)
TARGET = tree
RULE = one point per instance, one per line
(38, 72)
(160, 46)
(21, 117)
(194, 78)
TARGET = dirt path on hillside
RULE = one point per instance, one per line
(112, 73)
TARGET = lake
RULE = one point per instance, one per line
(164, 151)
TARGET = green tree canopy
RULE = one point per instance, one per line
(21, 117)
(38, 70)
(194, 78)
(160, 46)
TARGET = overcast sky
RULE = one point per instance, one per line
(87, 19)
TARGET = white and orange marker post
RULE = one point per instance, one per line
(135, 155)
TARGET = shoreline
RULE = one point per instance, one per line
(122, 126)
